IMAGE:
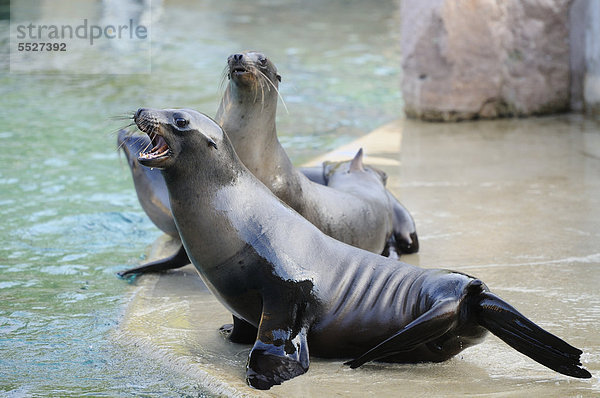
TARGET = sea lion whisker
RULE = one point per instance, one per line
(121, 145)
(276, 90)
(259, 79)
(149, 128)
(148, 145)
(128, 131)
(262, 93)
(141, 125)
(224, 74)
(255, 89)
(250, 68)
(126, 127)
(125, 116)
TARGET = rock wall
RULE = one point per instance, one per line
(472, 59)
(585, 56)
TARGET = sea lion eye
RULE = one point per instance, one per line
(181, 122)
(263, 61)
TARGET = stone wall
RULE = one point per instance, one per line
(472, 59)
(585, 56)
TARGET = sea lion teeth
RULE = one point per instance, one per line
(155, 153)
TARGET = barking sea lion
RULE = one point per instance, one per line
(296, 288)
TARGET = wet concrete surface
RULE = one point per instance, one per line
(513, 202)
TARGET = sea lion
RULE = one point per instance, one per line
(366, 185)
(247, 112)
(150, 187)
(404, 229)
(153, 196)
(295, 287)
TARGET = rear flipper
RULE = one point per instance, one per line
(177, 260)
(514, 329)
(405, 232)
(428, 327)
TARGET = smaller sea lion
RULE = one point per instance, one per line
(152, 194)
(366, 185)
(150, 187)
(404, 238)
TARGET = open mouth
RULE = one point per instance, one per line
(238, 70)
(158, 152)
(159, 147)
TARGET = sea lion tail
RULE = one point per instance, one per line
(516, 330)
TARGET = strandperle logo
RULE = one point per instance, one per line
(83, 31)
(94, 44)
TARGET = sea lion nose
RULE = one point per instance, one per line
(238, 57)
(139, 112)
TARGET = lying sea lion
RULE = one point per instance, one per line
(293, 287)
(366, 184)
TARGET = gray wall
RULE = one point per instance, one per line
(484, 59)
(585, 56)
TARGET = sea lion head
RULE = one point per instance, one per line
(352, 169)
(175, 134)
(254, 69)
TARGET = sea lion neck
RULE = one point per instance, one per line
(204, 164)
(250, 125)
(194, 182)
(244, 109)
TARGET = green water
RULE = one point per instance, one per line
(70, 217)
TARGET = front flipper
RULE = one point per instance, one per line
(281, 350)
(177, 260)
(240, 331)
(429, 326)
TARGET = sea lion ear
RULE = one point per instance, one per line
(357, 162)
(383, 176)
(278, 77)
(327, 169)
(211, 143)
